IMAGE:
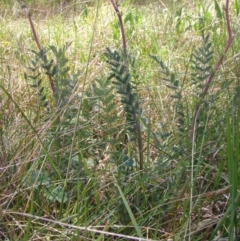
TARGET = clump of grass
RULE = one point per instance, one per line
(102, 148)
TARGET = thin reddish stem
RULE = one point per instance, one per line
(32, 25)
(36, 39)
(124, 43)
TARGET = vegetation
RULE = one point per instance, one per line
(119, 120)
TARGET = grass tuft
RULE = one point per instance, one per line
(119, 120)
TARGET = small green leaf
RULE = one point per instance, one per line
(56, 194)
(218, 10)
(37, 178)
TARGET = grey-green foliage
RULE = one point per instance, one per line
(107, 131)
(99, 108)
(37, 78)
(55, 87)
(57, 70)
(64, 81)
(119, 64)
(201, 68)
(201, 65)
(176, 88)
(105, 99)
(173, 84)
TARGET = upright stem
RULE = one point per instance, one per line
(36, 38)
(124, 43)
(217, 66)
(136, 115)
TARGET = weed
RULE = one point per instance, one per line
(98, 143)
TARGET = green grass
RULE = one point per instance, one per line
(70, 157)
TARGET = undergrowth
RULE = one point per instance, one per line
(144, 150)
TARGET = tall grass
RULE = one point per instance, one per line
(119, 120)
